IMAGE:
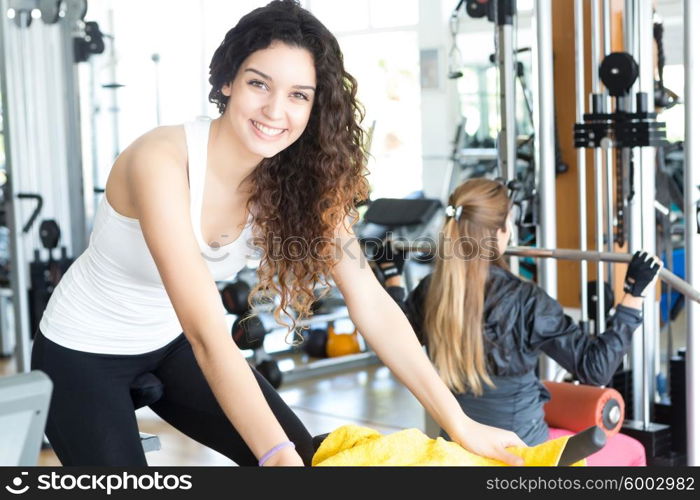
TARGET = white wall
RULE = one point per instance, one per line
(439, 107)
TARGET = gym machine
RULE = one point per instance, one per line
(631, 127)
(41, 44)
(636, 205)
(657, 438)
(691, 36)
(622, 129)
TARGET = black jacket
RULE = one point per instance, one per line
(520, 322)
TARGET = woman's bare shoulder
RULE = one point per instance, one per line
(167, 143)
(159, 155)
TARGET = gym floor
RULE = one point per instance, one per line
(368, 396)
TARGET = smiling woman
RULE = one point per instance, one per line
(268, 113)
(291, 114)
(284, 162)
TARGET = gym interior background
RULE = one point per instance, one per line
(450, 94)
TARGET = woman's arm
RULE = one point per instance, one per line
(592, 359)
(388, 332)
(159, 192)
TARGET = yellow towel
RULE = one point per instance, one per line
(354, 445)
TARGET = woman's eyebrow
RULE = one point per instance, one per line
(268, 77)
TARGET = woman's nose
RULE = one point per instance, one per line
(274, 107)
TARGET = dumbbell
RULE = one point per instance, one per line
(235, 297)
(270, 370)
(248, 331)
(315, 343)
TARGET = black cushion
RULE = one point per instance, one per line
(395, 212)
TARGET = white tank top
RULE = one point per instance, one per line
(112, 300)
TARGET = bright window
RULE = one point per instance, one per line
(389, 88)
(380, 48)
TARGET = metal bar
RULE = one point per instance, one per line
(507, 147)
(580, 76)
(94, 136)
(544, 152)
(599, 239)
(691, 36)
(565, 254)
(18, 274)
(477, 154)
(114, 97)
(570, 254)
(610, 208)
(78, 196)
(507, 134)
(597, 165)
(645, 172)
(635, 160)
(328, 366)
(546, 142)
(609, 160)
(595, 45)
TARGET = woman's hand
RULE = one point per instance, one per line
(390, 262)
(642, 273)
(286, 457)
(487, 441)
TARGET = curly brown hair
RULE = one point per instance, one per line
(301, 195)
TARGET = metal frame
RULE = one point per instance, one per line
(638, 42)
(598, 167)
(691, 37)
(42, 135)
(545, 149)
(507, 142)
(580, 77)
(18, 275)
(78, 196)
(609, 162)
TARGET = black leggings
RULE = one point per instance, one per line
(91, 418)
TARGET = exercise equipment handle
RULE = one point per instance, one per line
(37, 210)
(581, 445)
(567, 254)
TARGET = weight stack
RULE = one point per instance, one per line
(663, 414)
(622, 383)
(679, 429)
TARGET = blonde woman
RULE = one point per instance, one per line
(485, 328)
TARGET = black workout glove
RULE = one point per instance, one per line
(389, 262)
(641, 274)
